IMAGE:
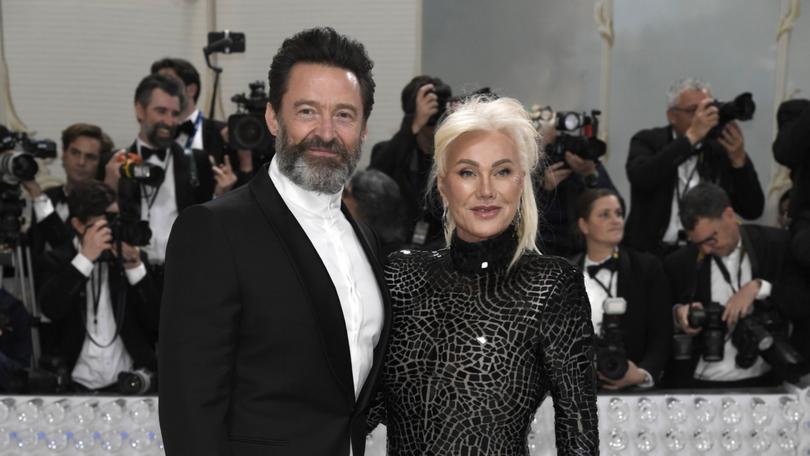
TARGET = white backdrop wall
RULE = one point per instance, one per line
(80, 60)
(549, 52)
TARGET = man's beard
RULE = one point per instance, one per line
(159, 141)
(318, 174)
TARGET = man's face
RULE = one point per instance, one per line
(159, 119)
(81, 159)
(320, 128)
(680, 115)
(716, 236)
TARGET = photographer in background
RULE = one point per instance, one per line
(564, 177)
(101, 300)
(373, 198)
(83, 148)
(15, 341)
(792, 149)
(629, 295)
(665, 162)
(735, 286)
(408, 156)
(195, 131)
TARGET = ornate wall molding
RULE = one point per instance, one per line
(603, 15)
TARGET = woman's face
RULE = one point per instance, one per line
(483, 184)
(605, 224)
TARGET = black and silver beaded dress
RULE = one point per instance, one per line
(475, 348)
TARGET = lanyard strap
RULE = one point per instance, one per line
(609, 285)
(197, 124)
(725, 273)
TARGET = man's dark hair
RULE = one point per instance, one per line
(408, 96)
(143, 93)
(184, 69)
(584, 202)
(89, 199)
(325, 46)
(380, 204)
(77, 130)
(705, 200)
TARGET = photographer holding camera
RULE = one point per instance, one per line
(99, 295)
(702, 143)
(792, 149)
(408, 156)
(735, 286)
(629, 296)
(565, 176)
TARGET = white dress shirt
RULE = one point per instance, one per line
(688, 177)
(197, 141)
(97, 366)
(727, 370)
(338, 247)
(163, 213)
(43, 207)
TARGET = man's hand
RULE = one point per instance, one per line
(579, 165)
(131, 255)
(740, 303)
(32, 187)
(554, 175)
(731, 138)
(112, 171)
(633, 376)
(427, 104)
(682, 317)
(223, 175)
(96, 239)
(704, 119)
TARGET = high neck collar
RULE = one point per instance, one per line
(320, 205)
(492, 254)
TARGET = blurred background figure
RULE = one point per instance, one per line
(373, 198)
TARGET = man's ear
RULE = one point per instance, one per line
(77, 225)
(271, 119)
(139, 112)
(191, 91)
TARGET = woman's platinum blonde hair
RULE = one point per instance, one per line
(507, 116)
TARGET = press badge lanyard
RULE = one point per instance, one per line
(607, 287)
(724, 270)
(188, 151)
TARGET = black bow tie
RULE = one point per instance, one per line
(146, 152)
(610, 264)
(186, 127)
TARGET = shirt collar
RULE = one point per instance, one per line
(590, 262)
(735, 254)
(318, 204)
(193, 116)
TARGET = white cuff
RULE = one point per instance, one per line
(764, 289)
(82, 264)
(43, 207)
(136, 274)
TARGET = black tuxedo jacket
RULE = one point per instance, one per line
(647, 323)
(652, 169)
(254, 356)
(768, 250)
(193, 181)
(51, 231)
(63, 299)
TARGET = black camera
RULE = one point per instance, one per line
(132, 231)
(247, 129)
(584, 143)
(51, 377)
(741, 108)
(136, 383)
(611, 356)
(11, 209)
(765, 333)
(17, 160)
(712, 338)
(443, 94)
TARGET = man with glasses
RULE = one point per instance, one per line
(665, 162)
(747, 270)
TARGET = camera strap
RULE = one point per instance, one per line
(726, 274)
(120, 305)
(188, 152)
(150, 193)
(608, 286)
(680, 192)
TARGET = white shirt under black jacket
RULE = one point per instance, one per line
(338, 247)
(727, 370)
(688, 177)
(197, 141)
(163, 213)
(597, 296)
(97, 366)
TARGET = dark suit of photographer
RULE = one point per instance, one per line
(665, 162)
(97, 327)
(15, 341)
(759, 253)
(792, 149)
(408, 156)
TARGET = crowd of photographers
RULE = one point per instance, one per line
(682, 294)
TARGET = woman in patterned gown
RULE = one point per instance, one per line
(486, 328)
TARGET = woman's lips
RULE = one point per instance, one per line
(486, 212)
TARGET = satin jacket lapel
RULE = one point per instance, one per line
(183, 192)
(314, 278)
(625, 276)
(382, 343)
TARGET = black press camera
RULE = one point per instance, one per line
(247, 128)
(741, 108)
(577, 135)
(136, 383)
(611, 357)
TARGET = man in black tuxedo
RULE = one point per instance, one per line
(665, 162)
(275, 315)
(188, 175)
(744, 269)
(103, 306)
(199, 132)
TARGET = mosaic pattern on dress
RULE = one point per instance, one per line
(474, 351)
